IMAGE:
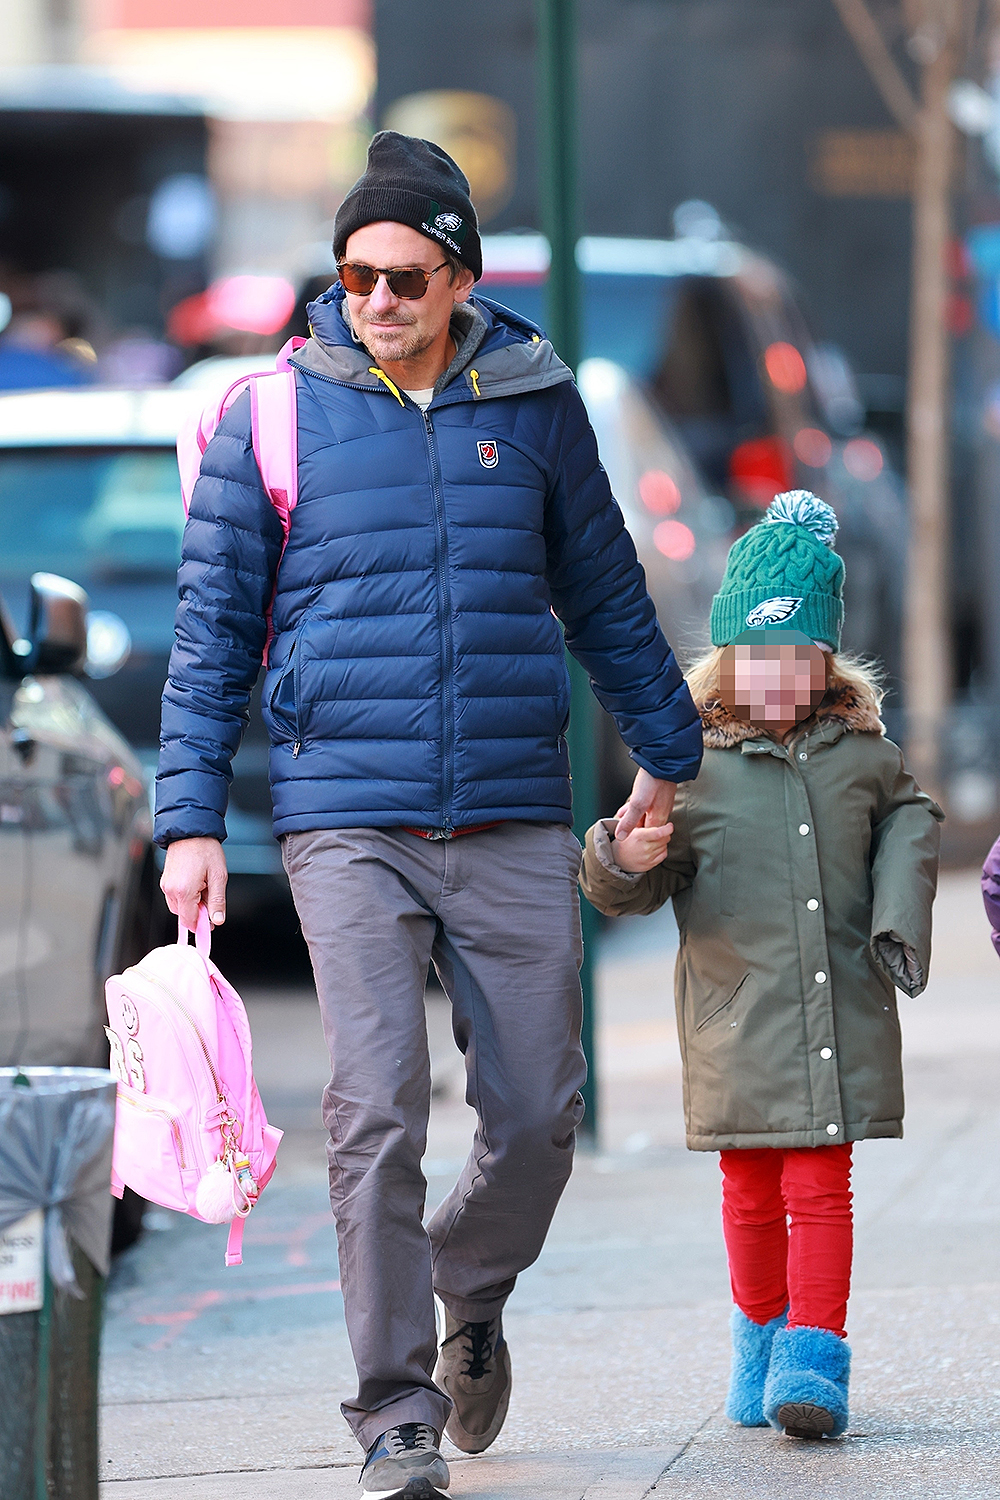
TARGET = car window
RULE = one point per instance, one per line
(625, 318)
(91, 514)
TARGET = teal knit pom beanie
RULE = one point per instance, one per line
(784, 574)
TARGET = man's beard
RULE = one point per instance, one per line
(394, 344)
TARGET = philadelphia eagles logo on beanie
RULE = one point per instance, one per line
(441, 224)
(773, 612)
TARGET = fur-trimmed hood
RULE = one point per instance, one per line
(852, 707)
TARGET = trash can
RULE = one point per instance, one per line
(56, 1132)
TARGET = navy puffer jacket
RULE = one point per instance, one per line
(416, 675)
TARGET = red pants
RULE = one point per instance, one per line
(786, 1216)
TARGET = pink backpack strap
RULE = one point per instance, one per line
(275, 436)
(234, 1244)
(198, 429)
(202, 932)
(274, 429)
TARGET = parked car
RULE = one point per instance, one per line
(76, 876)
(709, 341)
(89, 487)
(78, 892)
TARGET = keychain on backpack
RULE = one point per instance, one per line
(228, 1188)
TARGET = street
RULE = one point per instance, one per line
(226, 1383)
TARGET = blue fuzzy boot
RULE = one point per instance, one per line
(805, 1394)
(748, 1371)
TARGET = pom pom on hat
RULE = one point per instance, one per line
(803, 508)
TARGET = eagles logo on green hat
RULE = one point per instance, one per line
(784, 575)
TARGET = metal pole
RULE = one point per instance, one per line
(557, 161)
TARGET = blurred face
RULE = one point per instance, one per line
(394, 330)
(772, 684)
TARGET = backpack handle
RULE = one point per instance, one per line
(202, 932)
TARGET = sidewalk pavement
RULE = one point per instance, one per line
(225, 1385)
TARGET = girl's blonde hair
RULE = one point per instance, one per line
(843, 670)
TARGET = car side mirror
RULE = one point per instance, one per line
(58, 630)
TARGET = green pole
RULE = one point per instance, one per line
(43, 1390)
(557, 175)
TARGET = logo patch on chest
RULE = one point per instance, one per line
(489, 455)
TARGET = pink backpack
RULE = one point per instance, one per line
(274, 431)
(191, 1133)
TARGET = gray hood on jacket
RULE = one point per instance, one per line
(513, 370)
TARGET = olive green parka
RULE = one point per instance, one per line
(802, 878)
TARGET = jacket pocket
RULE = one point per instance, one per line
(149, 1152)
(720, 1009)
(563, 701)
(283, 704)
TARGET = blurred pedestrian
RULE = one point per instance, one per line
(991, 892)
(45, 337)
(450, 498)
(803, 865)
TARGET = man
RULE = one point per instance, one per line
(450, 498)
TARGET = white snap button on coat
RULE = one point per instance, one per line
(812, 904)
(826, 1053)
(832, 1129)
(820, 976)
(803, 755)
(803, 827)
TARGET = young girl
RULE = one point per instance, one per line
(802, 864)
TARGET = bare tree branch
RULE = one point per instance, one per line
(896, 93)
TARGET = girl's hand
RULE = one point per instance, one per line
(643, 849)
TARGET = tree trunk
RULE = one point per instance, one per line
(926, 648)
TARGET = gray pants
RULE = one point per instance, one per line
(498, 914)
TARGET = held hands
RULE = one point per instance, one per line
(643, 831)
(643, 849)
(194, 873)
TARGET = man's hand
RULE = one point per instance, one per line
(643, 849)
(649, 806)
(195, 873)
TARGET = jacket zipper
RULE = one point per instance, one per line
(447, 644)
(292, 662)
(172, 1121)
(295, 657)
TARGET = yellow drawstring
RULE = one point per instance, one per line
(536, 338)
(474, 377)
(381, 375)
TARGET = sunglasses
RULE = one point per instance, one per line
(409, 283)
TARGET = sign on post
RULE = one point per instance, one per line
(22, 1282)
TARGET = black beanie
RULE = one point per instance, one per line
(414, 182)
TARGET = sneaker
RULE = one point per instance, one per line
(474, 1368)
(405, 1464)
